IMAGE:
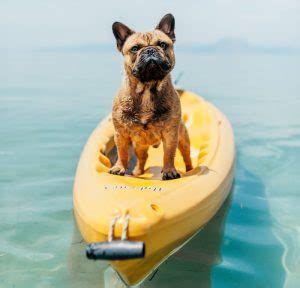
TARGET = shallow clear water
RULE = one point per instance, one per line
(49, 105)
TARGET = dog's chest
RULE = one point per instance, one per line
(147, 107)
(144, 110)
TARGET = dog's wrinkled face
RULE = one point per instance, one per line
(148, 56)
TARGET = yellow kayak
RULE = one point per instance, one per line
(155, 216)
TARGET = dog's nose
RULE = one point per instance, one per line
(150, 51)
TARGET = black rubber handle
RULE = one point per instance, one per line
(115, 250)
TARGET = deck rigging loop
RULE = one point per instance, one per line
(112, 226)
(125, 227)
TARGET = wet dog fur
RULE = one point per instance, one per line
(146, 110)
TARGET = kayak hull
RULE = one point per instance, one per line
(163, 214)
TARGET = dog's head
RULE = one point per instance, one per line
(148, 56)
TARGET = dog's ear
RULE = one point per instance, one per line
(121, 32)
(167, 25)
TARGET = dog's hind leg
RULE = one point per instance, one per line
(141, 152)
(184, 147)
(170, 143)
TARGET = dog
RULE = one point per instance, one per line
(147, 110)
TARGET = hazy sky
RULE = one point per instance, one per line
(41, 23)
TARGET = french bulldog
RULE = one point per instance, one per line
(146, 110)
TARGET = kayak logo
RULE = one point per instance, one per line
(140, 188)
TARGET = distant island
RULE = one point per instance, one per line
(235, 45)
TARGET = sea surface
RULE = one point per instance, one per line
(50, 101)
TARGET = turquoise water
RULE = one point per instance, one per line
(50, 103)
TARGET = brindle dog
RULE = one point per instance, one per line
(147, 108)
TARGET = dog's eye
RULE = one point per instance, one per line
(163, 45)
(134, 49)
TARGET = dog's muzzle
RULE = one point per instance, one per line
(151, 66)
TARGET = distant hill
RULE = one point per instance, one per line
(235, 45)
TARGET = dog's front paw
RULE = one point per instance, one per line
(117, 170)
(170, 173)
